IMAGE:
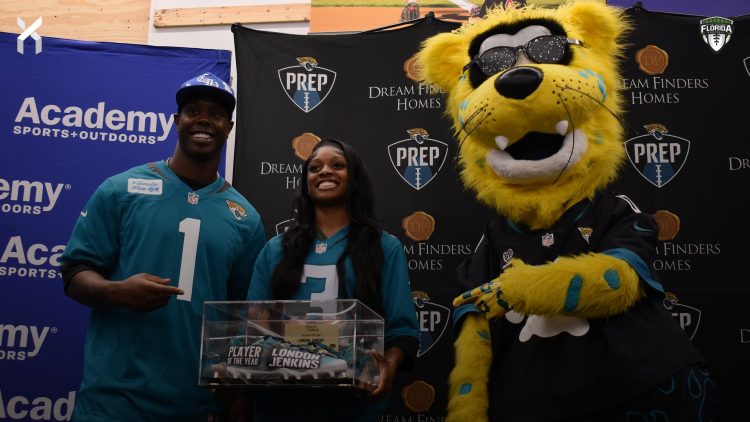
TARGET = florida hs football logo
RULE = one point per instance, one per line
(419, 158)
(716, 32)
(657, 156)
(308, 84)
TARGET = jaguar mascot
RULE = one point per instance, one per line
(562, 316)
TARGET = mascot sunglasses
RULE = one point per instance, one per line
(547, 49)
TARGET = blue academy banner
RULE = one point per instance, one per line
(70, 116)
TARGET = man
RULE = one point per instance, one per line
(153, 244)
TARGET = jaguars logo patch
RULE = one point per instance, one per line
(236, 209)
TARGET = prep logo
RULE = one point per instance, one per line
(432, 318)
(308, 84)
(31, 197)
(658, 156)
(418, 159)
(283, 226)
(716, 32)
(688, 317)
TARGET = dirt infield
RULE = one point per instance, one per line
(347, 19)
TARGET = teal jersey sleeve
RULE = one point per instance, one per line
(268, 258)
(95, 236)
(242, 273)
(398, 303)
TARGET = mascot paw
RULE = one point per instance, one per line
(487, 298)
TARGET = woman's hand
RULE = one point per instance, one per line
(388, 365)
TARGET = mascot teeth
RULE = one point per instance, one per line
(501, 141)
(562, 127)
(538, 171)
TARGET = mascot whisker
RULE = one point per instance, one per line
(561, 318)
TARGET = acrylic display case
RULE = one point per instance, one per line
(293, 343)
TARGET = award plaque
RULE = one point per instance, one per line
(285, 342)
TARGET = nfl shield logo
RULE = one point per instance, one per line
(321, 248)
(658, 156)
(716, 32)
(192, 198)
(418, 159)
(308, 84)
(548, 240)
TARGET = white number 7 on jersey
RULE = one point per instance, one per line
(191, 227)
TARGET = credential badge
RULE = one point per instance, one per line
(308, 84)
(418, 159)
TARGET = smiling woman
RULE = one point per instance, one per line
(334, 237)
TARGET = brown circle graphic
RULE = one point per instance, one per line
(418, 396)
(652, 60)
(304, 144)
(418, 226)
(669, 224)
(412, 69)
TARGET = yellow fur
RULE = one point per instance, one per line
(537, 205)
(473, 357)
(584, 92)
(542, 289)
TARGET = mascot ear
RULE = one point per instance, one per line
(600, 25)
(442, 59)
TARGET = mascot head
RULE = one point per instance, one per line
(534, 97)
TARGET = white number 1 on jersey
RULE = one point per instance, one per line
(191, 227)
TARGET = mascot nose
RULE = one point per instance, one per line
(519, 83)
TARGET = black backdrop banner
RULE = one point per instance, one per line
(689, 163)
(687, 143)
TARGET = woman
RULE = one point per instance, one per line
(335, 236)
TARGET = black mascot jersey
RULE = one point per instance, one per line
(544, 365)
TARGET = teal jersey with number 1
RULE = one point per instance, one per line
(145, 366)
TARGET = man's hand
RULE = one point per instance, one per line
(488, 298)
(142, 292)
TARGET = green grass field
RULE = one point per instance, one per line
(385, 3)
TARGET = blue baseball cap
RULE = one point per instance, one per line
(207, 84)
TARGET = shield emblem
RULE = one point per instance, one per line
(688, 317)
(307, 85)
(716, 32)
(548, 240)
(433, 319)
(658, 157)
(283, 226)
(418, 160)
